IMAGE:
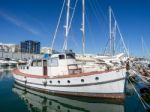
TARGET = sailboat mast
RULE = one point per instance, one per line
(110, 39)
(83, 27)
(142, 46)
(67, 25)
(111, 34)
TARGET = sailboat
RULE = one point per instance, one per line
(62, 74)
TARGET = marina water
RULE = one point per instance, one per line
(16, 98)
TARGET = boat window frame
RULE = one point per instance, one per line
(61, 56)
(37, 63)
(71, 54)
(50, 62)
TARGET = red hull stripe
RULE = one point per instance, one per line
(17, 72)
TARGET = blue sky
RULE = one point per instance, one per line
(37, 19)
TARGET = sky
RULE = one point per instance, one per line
(37, 20)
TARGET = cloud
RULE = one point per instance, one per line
(20, 23)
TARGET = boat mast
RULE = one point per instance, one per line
(110, 28)
(111, 36)
(83, 27)
(142, 46)
(67, 26)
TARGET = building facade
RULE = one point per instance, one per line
(9, 47)
(30, 46)
(46, 50)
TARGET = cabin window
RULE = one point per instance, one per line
(50, 81)
(53, 62)
(39, 62)
(36, 63)
(70, 56)
(61, 56)
(58, 81)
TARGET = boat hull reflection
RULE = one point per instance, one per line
(43, 102)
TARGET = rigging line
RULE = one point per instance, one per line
(90, 32)
(119, 43)
(122, 40)
(89, 26)
(146, 48)
(72, 36)
(106, 47)
(141, 99)
(95, 11)
(102, 12)
(72, 15)
(70, 23)
(120, 33)
(97, 16)
(102, 16)
(54, 37)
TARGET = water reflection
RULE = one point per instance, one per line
(41, 102)
(5, 72)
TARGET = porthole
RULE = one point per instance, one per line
(58, 81)
(50, 103)
(58, 107)
(82, 80)
(50, 81)
(27, 67)
(96, 78)
(68, 81)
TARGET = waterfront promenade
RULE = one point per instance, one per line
(18, 55)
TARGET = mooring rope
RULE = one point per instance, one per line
(141, 99)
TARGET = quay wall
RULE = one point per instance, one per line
(19, 55)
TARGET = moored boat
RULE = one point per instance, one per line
(61, 74)
(3, 63)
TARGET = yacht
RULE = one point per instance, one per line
(63, 73)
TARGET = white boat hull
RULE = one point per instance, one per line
(108, 84)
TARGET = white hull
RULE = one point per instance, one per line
(108, 83)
